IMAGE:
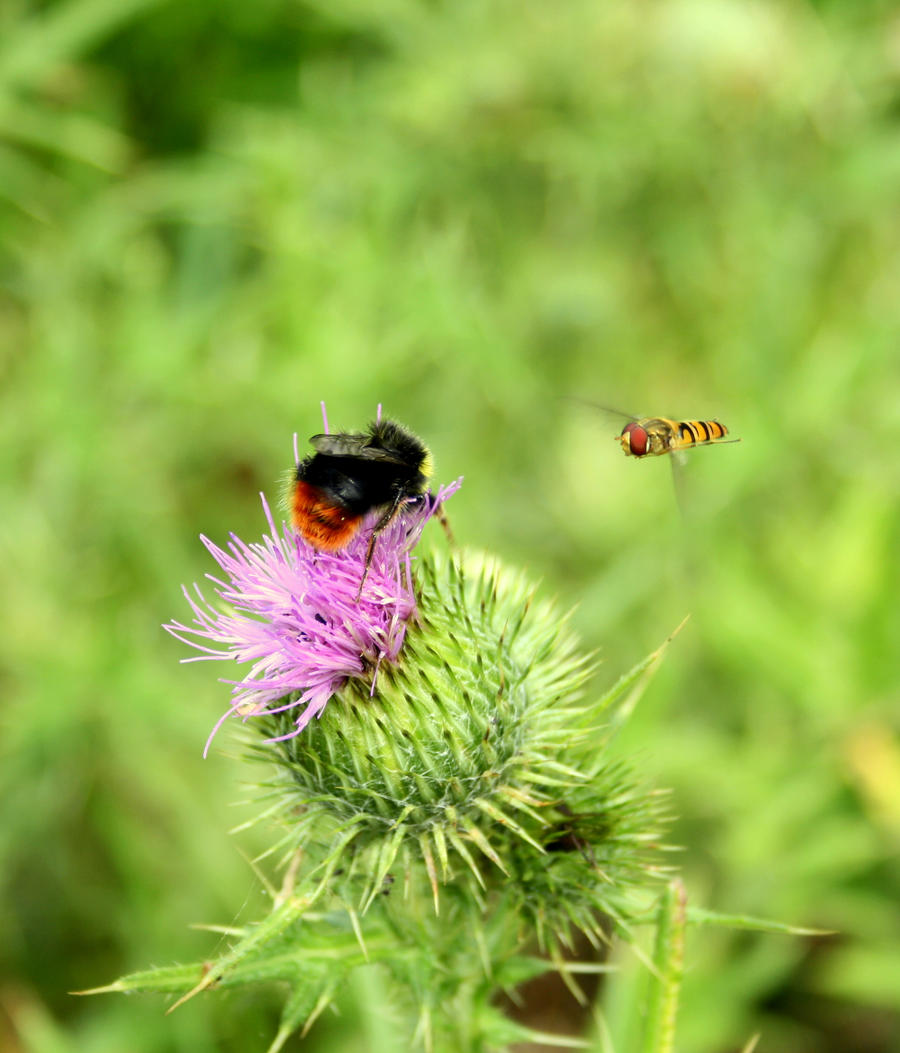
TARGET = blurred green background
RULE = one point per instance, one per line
(216, 214)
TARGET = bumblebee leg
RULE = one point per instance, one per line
(376, 530)
(445, 523)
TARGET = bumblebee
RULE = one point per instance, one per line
(352, 474)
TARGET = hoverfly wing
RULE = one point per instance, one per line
(711, 442)
(625, 422)
(679, 483)
(608, 411)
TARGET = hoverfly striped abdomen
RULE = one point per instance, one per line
(691, 432)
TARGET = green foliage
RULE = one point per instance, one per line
(214, 215)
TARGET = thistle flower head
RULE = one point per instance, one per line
(298, 617)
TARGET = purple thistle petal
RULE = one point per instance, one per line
(292, 612)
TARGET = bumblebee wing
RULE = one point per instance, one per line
(352, 446)
(337, 445)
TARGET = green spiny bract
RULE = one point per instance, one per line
(475, 762)
(446, 822)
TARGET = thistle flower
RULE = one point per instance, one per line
(296, 614)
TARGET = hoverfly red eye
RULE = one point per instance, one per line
(637, 439)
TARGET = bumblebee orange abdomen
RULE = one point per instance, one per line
(319, 520)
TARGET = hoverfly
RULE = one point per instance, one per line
(652, 436)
